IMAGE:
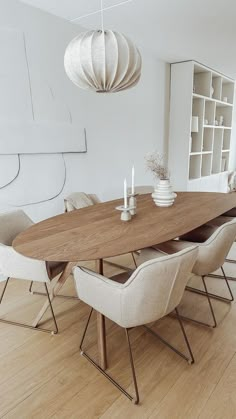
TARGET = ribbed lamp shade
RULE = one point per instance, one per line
(103, 61)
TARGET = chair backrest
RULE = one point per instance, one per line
(79, 200)
(11, 224)
(156, 287)
(212, 253)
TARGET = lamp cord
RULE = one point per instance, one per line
(102, 16)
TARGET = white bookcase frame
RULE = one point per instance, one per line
(199, 160)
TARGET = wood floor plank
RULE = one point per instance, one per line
(43, 376)
(222, 403)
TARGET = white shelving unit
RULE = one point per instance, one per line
(200, 160)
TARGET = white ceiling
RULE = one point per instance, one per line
(176, 30)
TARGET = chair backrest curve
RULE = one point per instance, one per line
(11, 224)
(156, 287)
(79, 200)
(212, 253)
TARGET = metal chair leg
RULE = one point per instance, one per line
(189, 360)
(68, 297)
(26, 326)
(4, 289)
(135, 399)
(208, 295)
(215, 296)
(135, 263)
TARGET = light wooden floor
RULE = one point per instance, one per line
(43, 376)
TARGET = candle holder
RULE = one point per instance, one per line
(125, 212)
(133, 203)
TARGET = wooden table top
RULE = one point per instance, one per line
(96, 232)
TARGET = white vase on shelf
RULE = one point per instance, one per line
(163, 195)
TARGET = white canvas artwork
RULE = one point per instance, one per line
(32, 118)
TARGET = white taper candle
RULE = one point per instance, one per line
(125, 193)
(132, 188)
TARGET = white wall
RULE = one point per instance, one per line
(121, 127)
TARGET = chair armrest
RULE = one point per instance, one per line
(101, 293)
(15, 265)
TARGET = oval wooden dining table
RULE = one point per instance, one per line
(96, 232)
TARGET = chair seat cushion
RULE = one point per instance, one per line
(202, 233)
(173, 246)
(122, 278)
(230, 213)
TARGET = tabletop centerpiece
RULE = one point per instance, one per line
(163, 195)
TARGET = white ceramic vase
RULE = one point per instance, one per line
(163, 195)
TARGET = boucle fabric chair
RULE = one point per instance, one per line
(211, 256)
(154, 290)
(14, 265)
(78, 200)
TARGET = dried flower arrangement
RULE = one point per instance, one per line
(155, 162)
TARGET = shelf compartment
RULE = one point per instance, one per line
(227, 90)
(224, 161)
(226, 112)
(210, 111)
(196, 137)
(217, 151)
(206, 165)
(202, 82)
(195, 166)
(208, 136)
(226, 139)
(217, 86)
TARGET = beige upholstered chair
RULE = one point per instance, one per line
(153, 291)
(211, 256)
(78, 200)
(14, 265)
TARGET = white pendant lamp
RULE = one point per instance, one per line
(103, 61)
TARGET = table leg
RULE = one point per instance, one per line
(101, 330)
(54, 291)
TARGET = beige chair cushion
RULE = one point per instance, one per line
(153, 290)
(212, 253)
(79, 200)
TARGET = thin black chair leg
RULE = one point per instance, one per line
(51, 308)
(191, 361)
(27, 326)
(135, 263)
(227, 283)
(4, 289)
(209, 302)
(30, 287)
(135, 399)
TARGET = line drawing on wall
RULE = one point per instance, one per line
(33, 119)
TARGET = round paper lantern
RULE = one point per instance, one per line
(103, 61)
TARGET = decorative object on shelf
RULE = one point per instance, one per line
(194, 124)
(221, 120)
(103, 61)
(225, 99)
(163, 196)
(232, 182)
(194, 89)
(206, 122)
(216, 123)
(212, 91)
(223, 164)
